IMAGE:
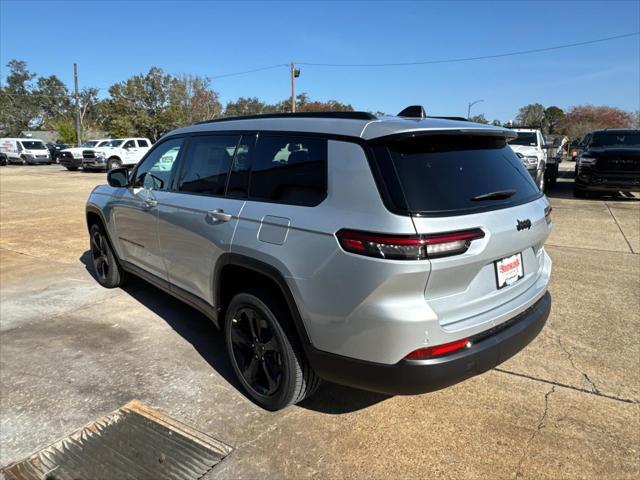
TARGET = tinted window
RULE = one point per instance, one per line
(289, 170)
(207, 164)
(129, 144)
(31, 145)
(155, 171)
(528, 139)
(629, 138)
(143, 143)
(238, 184)
(444, 173)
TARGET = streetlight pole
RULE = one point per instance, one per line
(75, 94)
(471, 105)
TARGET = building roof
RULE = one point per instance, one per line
(360, 126)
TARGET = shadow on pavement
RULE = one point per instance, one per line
(208, 341)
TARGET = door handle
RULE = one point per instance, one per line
(219, 215)
(150, 202)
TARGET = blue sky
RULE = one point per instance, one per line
(111, 41)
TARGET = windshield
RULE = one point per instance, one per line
(603, 139)
(114, 143)
(450, 173)
(528, 139)
(103, 143)
(31, 145)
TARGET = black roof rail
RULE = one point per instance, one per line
(460, 119)
(337, 115)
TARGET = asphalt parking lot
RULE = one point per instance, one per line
(568, 406)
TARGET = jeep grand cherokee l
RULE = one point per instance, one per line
(398, 255)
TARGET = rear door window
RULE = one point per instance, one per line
(453, 174)
(207, 163)
(289, 169)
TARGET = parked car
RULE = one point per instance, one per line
(556, 147)
(25, 151)
(530, 147)
(117, 153)
(427, 270)
(55, 149)
(608, 163)
(71, 158)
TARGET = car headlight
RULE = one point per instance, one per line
(100, 155)
(583, 161)
(77, 155)
(530, 161)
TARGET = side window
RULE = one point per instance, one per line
(207, 163)
(238, 185)
(19, 145)
(154, 172)
(289, 169)
(143, 143)
(130, 144)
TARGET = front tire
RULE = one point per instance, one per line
(105, 265)
(114, 163)
(72, 169)
(265, 353)
(23, 161)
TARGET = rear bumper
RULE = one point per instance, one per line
(409, 377)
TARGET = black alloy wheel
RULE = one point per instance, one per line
(256, 350)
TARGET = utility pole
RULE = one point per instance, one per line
(295, 73)
(75, 94)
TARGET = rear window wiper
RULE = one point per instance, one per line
(498, 195)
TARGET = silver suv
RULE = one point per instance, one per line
(398, 255)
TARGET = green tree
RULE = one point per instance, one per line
(479, 119)
(531, 115)
(246, 106)
(66, 132)
(552, 117)
(54, 101)
(18, 106)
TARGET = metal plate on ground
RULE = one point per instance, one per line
(134, 442)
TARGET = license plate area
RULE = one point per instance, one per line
(509, 270)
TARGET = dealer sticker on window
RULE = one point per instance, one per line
(509, 270)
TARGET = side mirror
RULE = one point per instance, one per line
(118, 177)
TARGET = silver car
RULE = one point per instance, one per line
(398, 255)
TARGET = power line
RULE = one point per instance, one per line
(270, 67)
(467, 59)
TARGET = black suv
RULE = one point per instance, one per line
(609, 163)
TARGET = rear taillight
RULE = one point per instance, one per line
(547, 214)
(438, 350)
(408, 247)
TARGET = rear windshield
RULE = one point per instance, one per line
(31, 145)
(603, 139)
(454, 174)
(528, 139)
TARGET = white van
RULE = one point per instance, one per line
(25, 150)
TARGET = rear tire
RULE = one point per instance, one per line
(265, 353)
(105, 265)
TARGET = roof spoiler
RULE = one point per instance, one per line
(413, 111)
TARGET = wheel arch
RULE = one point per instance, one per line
(230, 266)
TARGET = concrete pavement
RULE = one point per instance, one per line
(71, 351)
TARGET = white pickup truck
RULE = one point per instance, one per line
(117, 153)
(530, 147)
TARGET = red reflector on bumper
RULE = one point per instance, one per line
(438, 350)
